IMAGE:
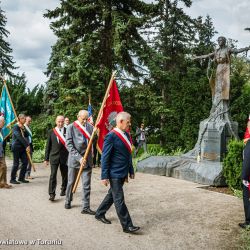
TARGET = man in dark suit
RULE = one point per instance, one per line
(78, 135)
(246, 179)
(28, 121)
(20, 147)
(57, 154)
(116, 165)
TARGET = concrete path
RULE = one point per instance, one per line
(173, 214)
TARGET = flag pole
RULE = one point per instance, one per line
(83, 163)
(28, 154)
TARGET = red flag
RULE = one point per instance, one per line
(112, 106)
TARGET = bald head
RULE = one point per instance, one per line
(60, 121)
(82, 116)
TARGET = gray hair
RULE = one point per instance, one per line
(21, 116)
(122, 116)
(83, 112)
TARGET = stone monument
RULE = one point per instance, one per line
(203, 164)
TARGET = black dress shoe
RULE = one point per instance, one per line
(245, 225)
(103, 219)
(67, 206)
(88, 211)
(131, 229)
(62, 193)
(24, 181)
(52, 197)
(14, 182)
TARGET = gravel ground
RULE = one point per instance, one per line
(172, 213)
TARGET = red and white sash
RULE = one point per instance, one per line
(82, 129)
(60, 136)
(123, 138)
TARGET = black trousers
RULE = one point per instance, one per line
(19, 154)
(116, 195)
(246, 203)
(53, 177)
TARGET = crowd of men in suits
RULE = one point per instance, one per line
(65, 149)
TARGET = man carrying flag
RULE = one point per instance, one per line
(77, 139)
(20, 147)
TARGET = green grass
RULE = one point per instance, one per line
(244, 240)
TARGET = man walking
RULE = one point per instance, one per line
(27, 127)
(246, 178)
(57, 154)
(78, 135)
(116, 165)
(20, 147)
(3, 168)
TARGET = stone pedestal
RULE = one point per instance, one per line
(181, 167)
(211, 146)
(213, 139)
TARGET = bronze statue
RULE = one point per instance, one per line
(219, 121)
(220, 86)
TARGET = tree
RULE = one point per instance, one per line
(94, 38)
(6, 60)
(29, 102)
(176, 36)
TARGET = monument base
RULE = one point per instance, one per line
(203, 164)
(182, 167)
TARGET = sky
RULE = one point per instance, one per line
(31, 38)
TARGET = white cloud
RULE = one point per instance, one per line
(31, 38)
(230, 17)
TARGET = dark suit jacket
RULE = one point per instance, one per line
(18, 142)
(56, 152)
(116, 159)
(246, 162)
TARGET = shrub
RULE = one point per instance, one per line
(38, 155)
(232, 164)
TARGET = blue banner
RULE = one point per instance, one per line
(7, 111)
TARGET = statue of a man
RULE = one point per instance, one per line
(221, 88)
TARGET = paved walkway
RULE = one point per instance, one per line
(173, 214)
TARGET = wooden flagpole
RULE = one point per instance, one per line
(28, 154)
(93, 134)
